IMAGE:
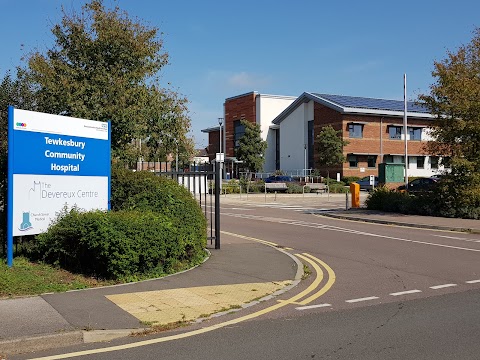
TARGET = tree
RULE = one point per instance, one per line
(16, 92)
(330, 147)
(165, 128)
(104, 66)
(251, 148)
(454, 100)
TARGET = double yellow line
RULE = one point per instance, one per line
(313, 261)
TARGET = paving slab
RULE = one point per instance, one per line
(29, 317)
(186, 304)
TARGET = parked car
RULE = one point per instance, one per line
(420, 185)
(279, 178)
(365, 183)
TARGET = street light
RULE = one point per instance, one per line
(220, 122)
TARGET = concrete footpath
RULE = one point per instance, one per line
(240, 272)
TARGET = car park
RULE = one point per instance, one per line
(365, 183)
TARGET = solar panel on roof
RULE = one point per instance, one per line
(371, 103)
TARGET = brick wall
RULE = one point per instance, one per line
(237, 108)
(369, 143)
(213, 144)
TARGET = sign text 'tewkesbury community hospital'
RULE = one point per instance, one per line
(55, 161)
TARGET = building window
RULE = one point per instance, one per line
(353, 161)
(434, 162)
(277, 149)
(395, 132)
(355, 130)
(388, 159)
(420, 162)
(311, 141)
(415, 133)
(238, 131)
(372, 161)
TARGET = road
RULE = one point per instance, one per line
(375, 292)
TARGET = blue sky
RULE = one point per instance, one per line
(220, 49)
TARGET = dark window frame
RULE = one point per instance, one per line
(415, 133)
(397, 135)
(238, 131)
(352, 133)
(422, 164)
(352, 159)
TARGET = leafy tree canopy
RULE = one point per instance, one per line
(104, 66)
(330, 147)
(252, 147)
(455, 101)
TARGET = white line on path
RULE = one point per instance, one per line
(405, 292)
(312, 306)
(472, 281)
(362, 299)
(442, 286)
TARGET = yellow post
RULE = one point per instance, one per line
(355, 191)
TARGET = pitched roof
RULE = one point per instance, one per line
(201, 153)
(358, 105)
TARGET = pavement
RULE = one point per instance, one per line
(234, 277)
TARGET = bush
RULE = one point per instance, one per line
(349, 179)
(338, 188)
(124, 245)
(456, 195)
(385, 199)
(145, 191)
(294, 188)
(155, 227)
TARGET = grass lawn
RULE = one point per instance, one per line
(27, 278)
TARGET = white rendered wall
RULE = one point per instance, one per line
(413, 171)
(268, 107)
(293, 137)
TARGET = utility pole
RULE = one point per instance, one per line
(405, 127)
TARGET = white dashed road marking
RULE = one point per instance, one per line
(405, 292)
(362, 299)
(473, 281)
(312, 306)
(442, 286)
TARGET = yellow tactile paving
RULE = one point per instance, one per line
(167, 306)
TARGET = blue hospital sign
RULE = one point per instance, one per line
(54, 161)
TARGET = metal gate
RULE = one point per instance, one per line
(203, 182)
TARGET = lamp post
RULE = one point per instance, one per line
(220, 122)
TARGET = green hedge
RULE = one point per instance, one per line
(449, 199)
(146, 191)
(384, 199)
(155, 227)
(124, 245)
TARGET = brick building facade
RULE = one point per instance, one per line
(373, 128)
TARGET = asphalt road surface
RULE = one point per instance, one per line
(381, 292)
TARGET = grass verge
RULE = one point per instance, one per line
(26, 278)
